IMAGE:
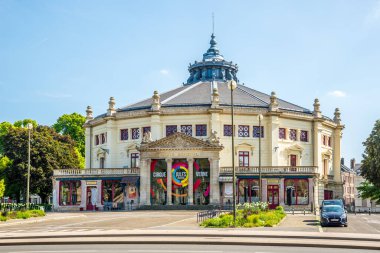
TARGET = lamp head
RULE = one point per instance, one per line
(29, 126)
(232, 84)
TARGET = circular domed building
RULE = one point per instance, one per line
(175, 148)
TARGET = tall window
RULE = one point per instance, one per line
(201, 188)
(135, 133)
(113, 192)
(201, 130)
(248, 190)
(171, 129)
(187, 129)
(282, 133)
(304, 136)
(293, 134)
(243, 131)
(97, 140)
(145, 129)
(325, 167)
(324, 140)
(70, 193)
(134, 160)
(227, 130)
(101, 162)
(293, 160)
(123, 134)
(256, 132)
(296, 192)
(243, 158)
(329, 141)
(103, 138)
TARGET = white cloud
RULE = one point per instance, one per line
(337, 93)
(164, 72)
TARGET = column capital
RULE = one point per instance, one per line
(190, 160)
(169, 160)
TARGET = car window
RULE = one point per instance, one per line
(332, 209)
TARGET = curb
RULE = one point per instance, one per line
(198, 241)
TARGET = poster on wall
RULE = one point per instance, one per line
(228, 190)
(132, 192)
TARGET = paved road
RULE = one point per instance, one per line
(171, 220)
(162, 248)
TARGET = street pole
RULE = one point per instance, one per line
(260, 189)
(232, 85)
(29, 126)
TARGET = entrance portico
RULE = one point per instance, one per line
(180, 170)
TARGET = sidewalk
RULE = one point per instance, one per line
(207, 236)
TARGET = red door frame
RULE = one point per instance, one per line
(271, 201)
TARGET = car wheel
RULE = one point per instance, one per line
(345, 225)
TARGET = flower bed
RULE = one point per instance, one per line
(5, 215)
(248, 215)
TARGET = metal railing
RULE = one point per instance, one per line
(90, 172)
(202, 216)
(271, 170)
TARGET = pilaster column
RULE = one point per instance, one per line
(264, 194)
(111, 144)
(155, 126)
(56, 194)
(337, 156)
(311, 192)
(169, 162)
(88, 145)
(99, 192)
(281, 192)
(83, 194)
(316, 194)
(145, 182)
(147, 166)
(214, 181)
(272, 135)
(190, 162)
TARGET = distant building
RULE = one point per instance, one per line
(174, 148)
(348, 178)
(360, 203)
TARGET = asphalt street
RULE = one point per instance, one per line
(163, 248)
(172, 220)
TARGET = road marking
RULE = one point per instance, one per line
(176, 251)
(53, 251)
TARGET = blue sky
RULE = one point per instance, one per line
(58, 57)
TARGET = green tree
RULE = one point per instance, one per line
(370, 169)
(72, 125)
(49, 151)
(4, 163)
(369, 191)
(4, 128)
(23, 123)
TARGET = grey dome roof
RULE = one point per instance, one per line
(199, 94)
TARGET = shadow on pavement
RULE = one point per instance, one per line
(311, 222)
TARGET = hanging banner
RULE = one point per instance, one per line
(180, 174)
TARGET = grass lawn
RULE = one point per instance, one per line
(248, 216)
(5, 215)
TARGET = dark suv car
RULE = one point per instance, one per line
(333, 215)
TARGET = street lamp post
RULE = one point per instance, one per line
(260, 118)
(30, 127)
(232, 85)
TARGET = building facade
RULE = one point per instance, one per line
(175, 148)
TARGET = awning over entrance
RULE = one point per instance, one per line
(130, 180)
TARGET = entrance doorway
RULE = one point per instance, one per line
(91, 198)
(272, 191)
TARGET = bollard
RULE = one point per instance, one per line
(293, 210)
(304, 211)
(369, 211)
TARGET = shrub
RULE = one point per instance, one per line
(279, 208)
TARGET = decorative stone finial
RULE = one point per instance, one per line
(111, 107)
(317, 108)
(273, 102)
(89, 113)
(337, 118)
(215, 98)
(156, 104)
